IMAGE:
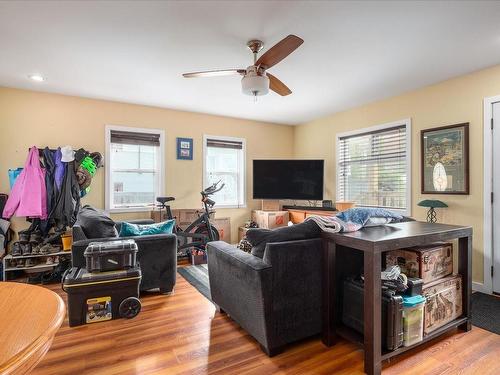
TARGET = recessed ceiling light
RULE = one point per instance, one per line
(36, 77)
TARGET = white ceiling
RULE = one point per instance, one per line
(354, 52)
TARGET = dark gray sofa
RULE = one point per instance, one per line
(157, 255)
(276, 299)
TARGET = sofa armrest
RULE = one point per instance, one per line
(240, 284)
(297, 287)
(235, 257)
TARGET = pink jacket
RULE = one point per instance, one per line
(28, 196)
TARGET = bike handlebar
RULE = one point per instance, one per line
(212, 189)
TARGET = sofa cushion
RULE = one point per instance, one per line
(130, 229)
(95, 223)
(259, 238)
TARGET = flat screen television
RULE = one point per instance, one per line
(288, 179)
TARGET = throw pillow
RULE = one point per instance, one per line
(259, 238)
(130, 229)
(95, 223)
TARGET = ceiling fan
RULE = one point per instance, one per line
(256, 80)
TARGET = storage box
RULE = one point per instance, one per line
(444, 302)
(392, 313)
(428, 263)
(242, 232)
(198, 258)
(270, 219)
(223, 226)
(110, 255)
(96, 297)
(270, 205)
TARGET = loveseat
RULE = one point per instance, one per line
(157, 253)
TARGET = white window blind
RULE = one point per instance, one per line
(134, 174)
(225, 161)
(372, 168)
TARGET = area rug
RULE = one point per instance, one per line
(197, 276)
(486, 312)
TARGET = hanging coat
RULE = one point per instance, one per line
(68, 199)
(28, 195)
(59, 170)
(50, 165)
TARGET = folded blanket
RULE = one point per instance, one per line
(354, 219)
(366, 216)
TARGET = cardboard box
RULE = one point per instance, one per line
(223, 225)
(270, 219)
(270, 205)
(242, 232)
(428, 263)
(444, 302)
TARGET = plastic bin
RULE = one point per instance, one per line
(392, 310)
(110, 255)
(413, 319)
(101, 296)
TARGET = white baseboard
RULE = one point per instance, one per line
(480, 287)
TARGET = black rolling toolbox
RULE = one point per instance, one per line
(97, 297)
(110, 255)
(392, 312)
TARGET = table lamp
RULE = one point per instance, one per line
(432, 204)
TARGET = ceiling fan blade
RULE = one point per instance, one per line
(277, 86)
(279, 51)
(215, 73)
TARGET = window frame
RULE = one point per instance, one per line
(206, 137)
(405, 122)
(107, 165)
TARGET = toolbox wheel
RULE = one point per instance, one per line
(129, 307)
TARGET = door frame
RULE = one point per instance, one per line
(488, 256)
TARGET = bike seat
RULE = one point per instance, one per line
(164, 200)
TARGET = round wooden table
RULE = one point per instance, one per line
(29, 319)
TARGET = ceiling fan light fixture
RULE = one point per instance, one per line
(255, 85)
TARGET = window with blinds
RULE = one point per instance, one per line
(134, 168)
(224, 160)
(373, 167)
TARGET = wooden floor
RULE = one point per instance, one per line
(182, 334)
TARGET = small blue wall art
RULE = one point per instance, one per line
(184, 148)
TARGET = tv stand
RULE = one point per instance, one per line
(299, 213)
(309, 208)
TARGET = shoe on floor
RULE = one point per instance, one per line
(30, 262)
(16, 249)
(35, 279)
(26, 248)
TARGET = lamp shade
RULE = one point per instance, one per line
(433, 203)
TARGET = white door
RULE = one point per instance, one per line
(496, 197)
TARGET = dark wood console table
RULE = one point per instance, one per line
(341, 260)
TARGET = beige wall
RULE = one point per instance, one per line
(28, 118)
(32, 118)
(454, 101)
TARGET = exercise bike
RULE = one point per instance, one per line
(200, 231)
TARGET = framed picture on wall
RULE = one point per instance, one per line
(445, 159)
(184, 148)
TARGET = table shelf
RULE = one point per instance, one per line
(358, 338)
